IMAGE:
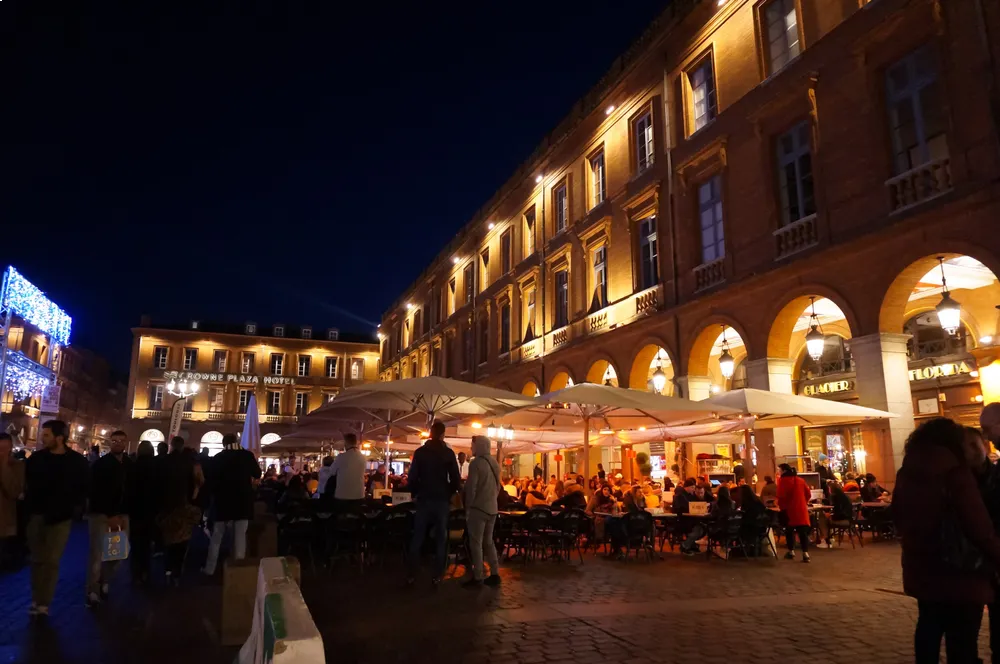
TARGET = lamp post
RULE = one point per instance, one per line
(182, 390)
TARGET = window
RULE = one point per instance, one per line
(429, 309)
(332, 335)
(221, 360)
(245, 400)
(277, 363)
(795, 180)
(357, 369)
(156, 397)
(529, 232)
(160, 357)
(417, 323)
(468, 279)
(251, 328)
(189, 405)
(702, 82)
(331, 367)
(782, 30)
(305, 364)
(274, 403)
(598, 184)
(194, 325)
(246, 363)
(562, 298)
(561, 198)
(916, 116)
(529, 328)
(505, 327)
(599, 263)
(190, 359)
(644, 141)
(307, 333)
(216, 402)
(279, 330)
(451, 296)
(484, 338)
(469, 343)
(505, 249)
(484, 269)
(649, 267)
(710, 213)
(301, 403)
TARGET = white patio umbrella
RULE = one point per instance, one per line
(250, 439)
(609, 408)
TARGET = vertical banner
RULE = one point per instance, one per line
(176, 416)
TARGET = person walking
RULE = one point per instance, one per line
(348, 474)
(233, 473)
(109, 484)
(55, 487)
(180, 482)
(11, 487)
(793, 501)
(948, 542)
(538, 473)
(481, 490)
(142, 510)
(434, 479)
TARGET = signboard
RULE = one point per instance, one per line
(176, 417)
(400, 497)
(940, 371)
(816, 495)
(657, 448)
(242, 379)
(378, 493)
(831, 387)
(927, 406)
(698, 508)
(50, 399)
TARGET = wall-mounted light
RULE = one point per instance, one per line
(538, 179)
(609, 110)
(454, 260)
(490, 226)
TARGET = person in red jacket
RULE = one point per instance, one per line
(793, 500)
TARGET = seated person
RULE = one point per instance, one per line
(574, 498)
(509, 488)
(602, 501)
(634, 500)
(295, 492)
(872, 491)
(684, 495)
(534, 496)
(769, 492)
(721, 511)
(652, 500)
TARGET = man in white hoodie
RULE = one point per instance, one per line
(481, 489)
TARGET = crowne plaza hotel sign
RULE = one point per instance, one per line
(242, 379)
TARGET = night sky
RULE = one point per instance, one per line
(276, 161)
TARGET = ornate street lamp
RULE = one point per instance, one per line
(182, 389)
(726, 363)
(948, 310)
(815, 339)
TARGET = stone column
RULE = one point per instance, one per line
(773, 374)
(695, 388)
(883, 382)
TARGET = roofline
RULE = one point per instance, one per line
(139, 330)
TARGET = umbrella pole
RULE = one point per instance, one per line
(586, 455)
(748, 468)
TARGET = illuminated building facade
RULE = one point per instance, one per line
(290, 370)
(747, 170)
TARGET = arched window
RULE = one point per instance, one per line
(836, 359)
(153, 436)
(928, 339)
(269, 438)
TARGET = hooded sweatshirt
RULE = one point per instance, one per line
(483, 484)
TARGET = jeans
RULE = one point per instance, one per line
(140, 546)
(691, 541)
(98, 571)
(803, 532)
(957, 623)
(434, 514)
(46, 541)
(479, 525)
(239, 542)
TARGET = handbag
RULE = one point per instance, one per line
(114, 545)
(957, 552)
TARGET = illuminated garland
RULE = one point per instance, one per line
(28, 302)
(23, 383)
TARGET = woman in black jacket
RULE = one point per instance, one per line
(143, 508)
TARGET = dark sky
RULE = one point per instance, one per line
(280, 161)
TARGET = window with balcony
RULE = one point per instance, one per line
(246, 363)
(701, 80)
(305, 364)
(506, 258)
(190, 359)
(598, 182)
(357, 368)
(928, 339)
(529, 231)
(505, 327)
(451, 296)
(216, 401)
(160, 357)
(277, 363)
(301, 403)
(274, 402)
(795, 179)
(331, 367)
(836, 359)
(781, 29)
(484, 269)
(221, 360)
(916, 111)
(279, 330)
(642, 130)
(710, 215)
(560, 199)
(562, 298)
(156, 397)
(649, 262)
(599, 278)
(245, 400)
(468, 350)
(307, 333)
(469, 282)
(529, 316)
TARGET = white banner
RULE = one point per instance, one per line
(176, 416)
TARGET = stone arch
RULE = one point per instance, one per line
(779, 338)
(701, 345)
(597, 370)
(643, 357)
(530, 388)
(562, 377)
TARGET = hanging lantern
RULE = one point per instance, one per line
(726, 363)
(815, 339)
(659, 380)
(491, 430)
(949, 311)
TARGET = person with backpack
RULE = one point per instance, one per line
(481, 490)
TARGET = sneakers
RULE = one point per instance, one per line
(93, 600)
(689, 552)
(805, 557)
(790, 555)
(492, 581)
(472, 583)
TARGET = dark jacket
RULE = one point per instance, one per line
(231, 474)
(930, 479)
(842, 509)
(682, 501)
(989, 488)
(434, 472)
(55, 485)
(143, 483)
(176, 480)
(109, 485)
(574, 499)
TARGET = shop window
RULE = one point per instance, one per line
(928, 339)
(836, 359)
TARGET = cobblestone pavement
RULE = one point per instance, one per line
(846, 604)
